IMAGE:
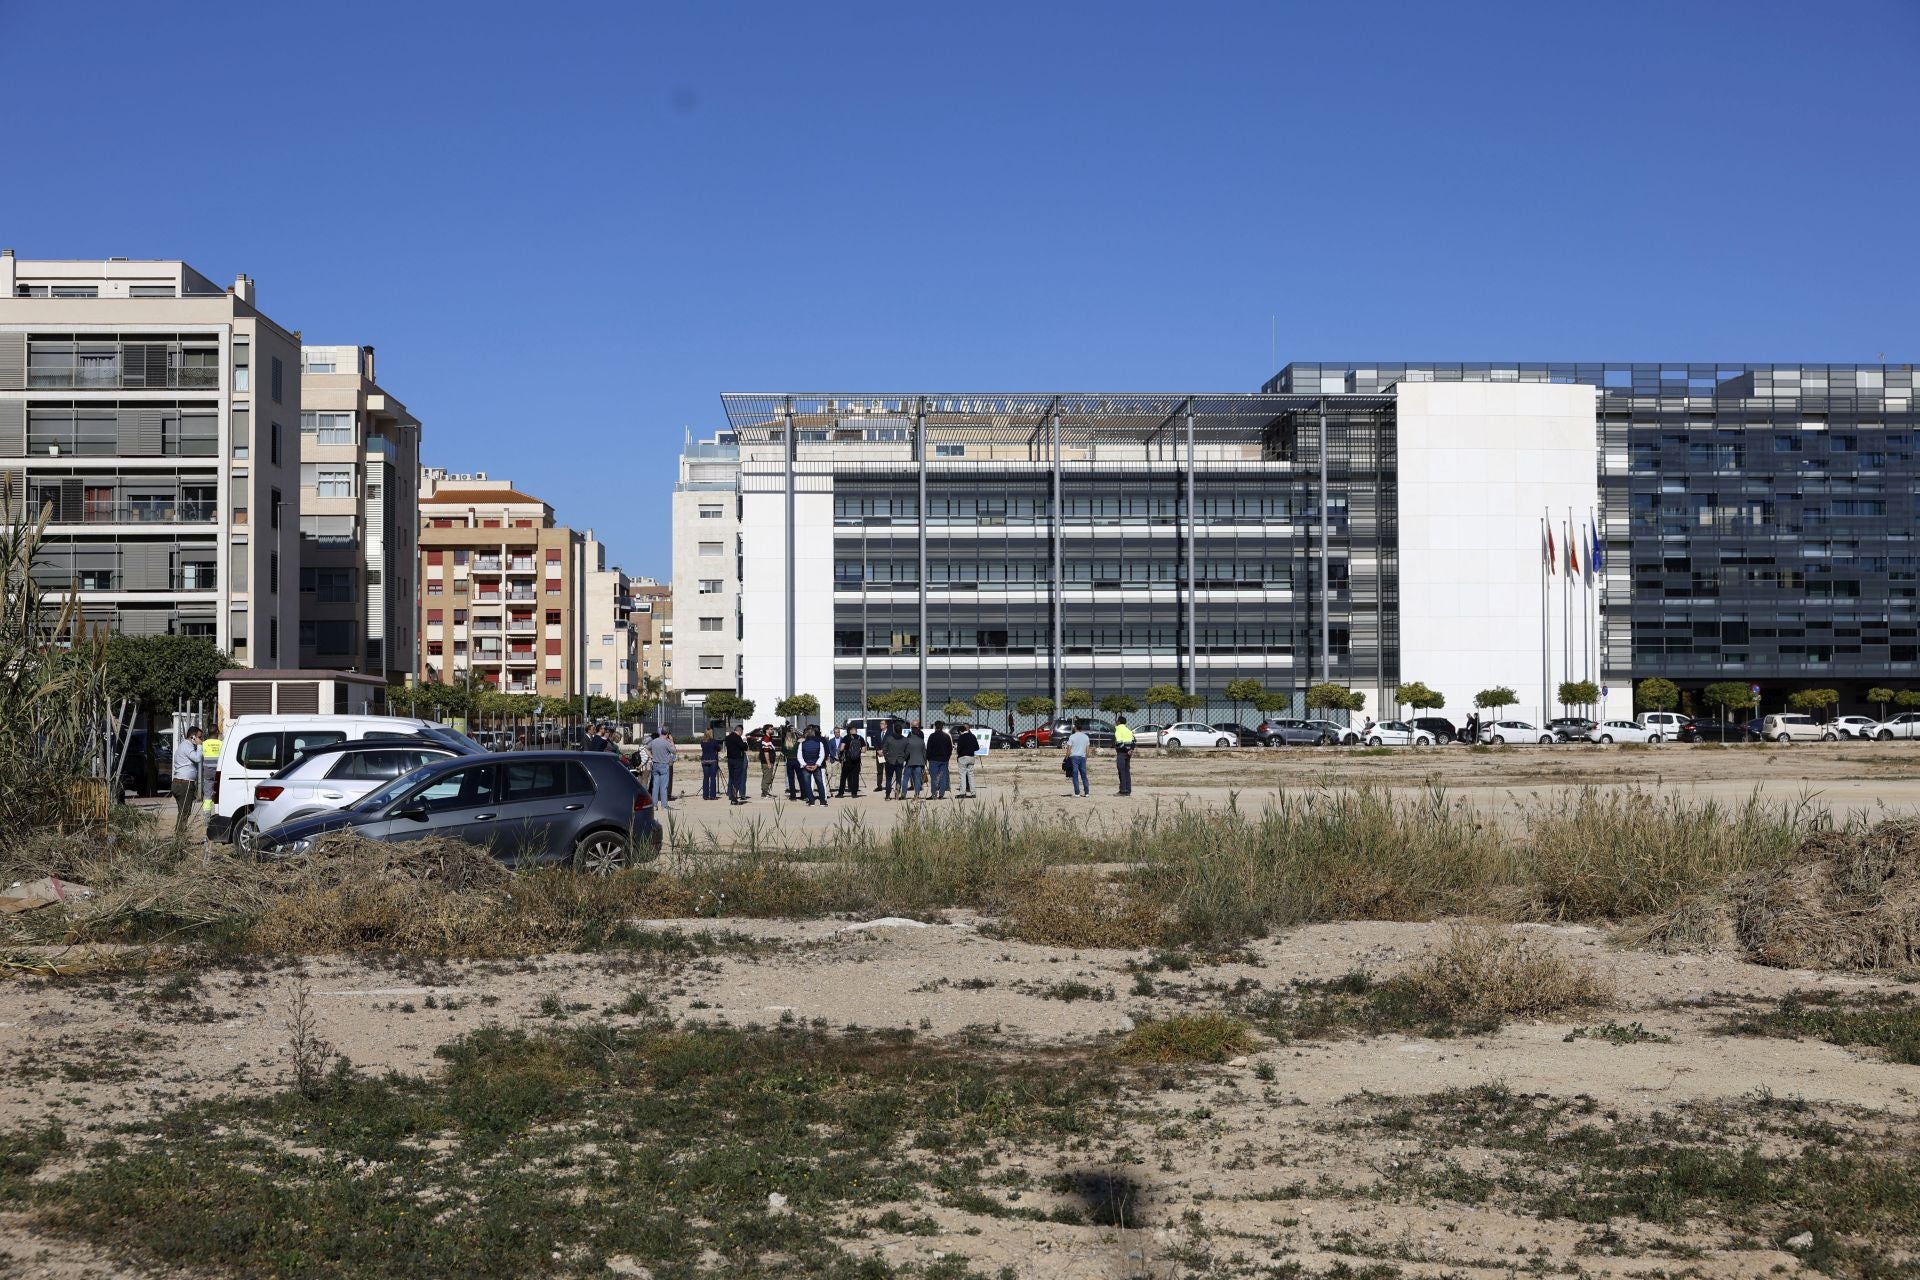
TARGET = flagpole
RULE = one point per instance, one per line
(1546, 614)
(1566, 609)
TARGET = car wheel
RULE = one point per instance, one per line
(1221, 742)
(1374, 741)
(1606, 739)
(246, 835)
(1886, 735)
(1785, 738)
(1499, 741)
(600, 853)
(1653, 737)
(1029, 744)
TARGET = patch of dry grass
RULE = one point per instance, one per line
(1199, 1037)
(1486, 972)
(1083, 909)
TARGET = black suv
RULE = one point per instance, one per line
(1439, 726)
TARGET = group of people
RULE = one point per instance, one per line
(818, 767)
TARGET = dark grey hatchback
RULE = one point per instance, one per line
(526, 807)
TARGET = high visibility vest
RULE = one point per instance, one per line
(1122, 736)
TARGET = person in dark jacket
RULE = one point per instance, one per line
(810, 758)
(789, 752)
(965, 748)
(939, 753)
(852, 747)
(709, 767)
(894, 753)
(736, 752)
(916, 763)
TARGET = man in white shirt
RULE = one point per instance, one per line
(1077, 747)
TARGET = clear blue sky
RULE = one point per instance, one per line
(568, 228)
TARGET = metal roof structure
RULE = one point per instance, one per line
(1023, 417)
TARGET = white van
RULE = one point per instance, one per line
(1663, 725)
(1788, 728)
(255, 748)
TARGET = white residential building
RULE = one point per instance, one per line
(707, 567)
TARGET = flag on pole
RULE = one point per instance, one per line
(1550, 563)
(1595, 560)
(1573, 557)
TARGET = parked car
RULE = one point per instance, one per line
(1716, 731)
(1245, 735)
(1099, 732)
(1296, 733)
(1791, 726)
(1338, 735)
(1441, 728)
(1865, 728)
(1501, 732)
(333, 777)
(257, 747)
(1608, 731)
(1570, 728)
(1148, 735)
(1194, 734)
(1665, 723)
(1904, 725)
(527, 808)
(1398, 733)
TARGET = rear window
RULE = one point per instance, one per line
(544, 779)
(379, 766)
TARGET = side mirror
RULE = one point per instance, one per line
(413, 812)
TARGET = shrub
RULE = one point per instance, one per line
(1490, 973)
(1199, 1037)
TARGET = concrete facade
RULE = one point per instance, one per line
(709, 554)
(360, 517)
(157, 414)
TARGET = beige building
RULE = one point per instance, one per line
(652, 616)
(706, 568)
(359, 517)
(613, 651)
(499, 587)
(155, 412)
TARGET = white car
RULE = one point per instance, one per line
(1193, 734)
(1398, 733)
(1340, 735)
(1501, 732)
(1622, 731)
(1866, 728)
(1793, 727)
(333, 777)
(1665, 723)
(1904, 725)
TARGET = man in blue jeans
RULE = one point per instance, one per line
(1077, 758)
(811, 757)
(709, 767)
(663, 754)
(939, 753)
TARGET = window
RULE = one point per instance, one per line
(460, 555)
(545, 779)
(276, 379)
(436, 557)
(332, 531)
(712, 512)
(712, 624)
(459, 617)
(315, 361)
(461, 789)
(76, 291)
(329, 586)
(949, 451)
(383, 765)
(553, 648)
(273, 639)
(329, 428)
(273, 514)
(710, 586)
(328, 638)
(333, 482)
(710, 662)
(594, 664)
(713, 548)
(273, 450)
(553, 617)
(152, 291)
(242, 371)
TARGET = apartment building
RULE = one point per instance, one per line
(707, 567)
(652, 617)
(154, 412)
(500, 587)
(613, 649)
(359, 517)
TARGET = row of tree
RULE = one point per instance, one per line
(1731, 697)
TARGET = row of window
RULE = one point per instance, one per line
(1013, 575)
(1036, 641)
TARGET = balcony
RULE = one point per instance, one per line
(156, 511)
(487, 626)
(523, 626)
(520, 565)
(521, 595)
(486, 564)
(518, 659)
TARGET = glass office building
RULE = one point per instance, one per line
(1760, 518)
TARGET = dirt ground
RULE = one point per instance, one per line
(1871, 778)
(1244, 1161)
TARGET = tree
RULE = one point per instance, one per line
(957, 710)
(894, 702)
(1814, 701)
(1880, 698)
(1418, 696)
(1161, 695)
(1334, 697)
(1081, 698)
(1273, 702)
(992, 700)
(799, 706)
(1119, 704)
(1035, 707)
(1578, 693)
(1241, 691)
(1728, 695)
(159, 673)
(1495, 698)
(1907, 699)
(1656, 694)
(729, 706)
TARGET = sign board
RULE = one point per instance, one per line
(1754, 689)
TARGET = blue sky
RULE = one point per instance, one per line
(569, 228)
